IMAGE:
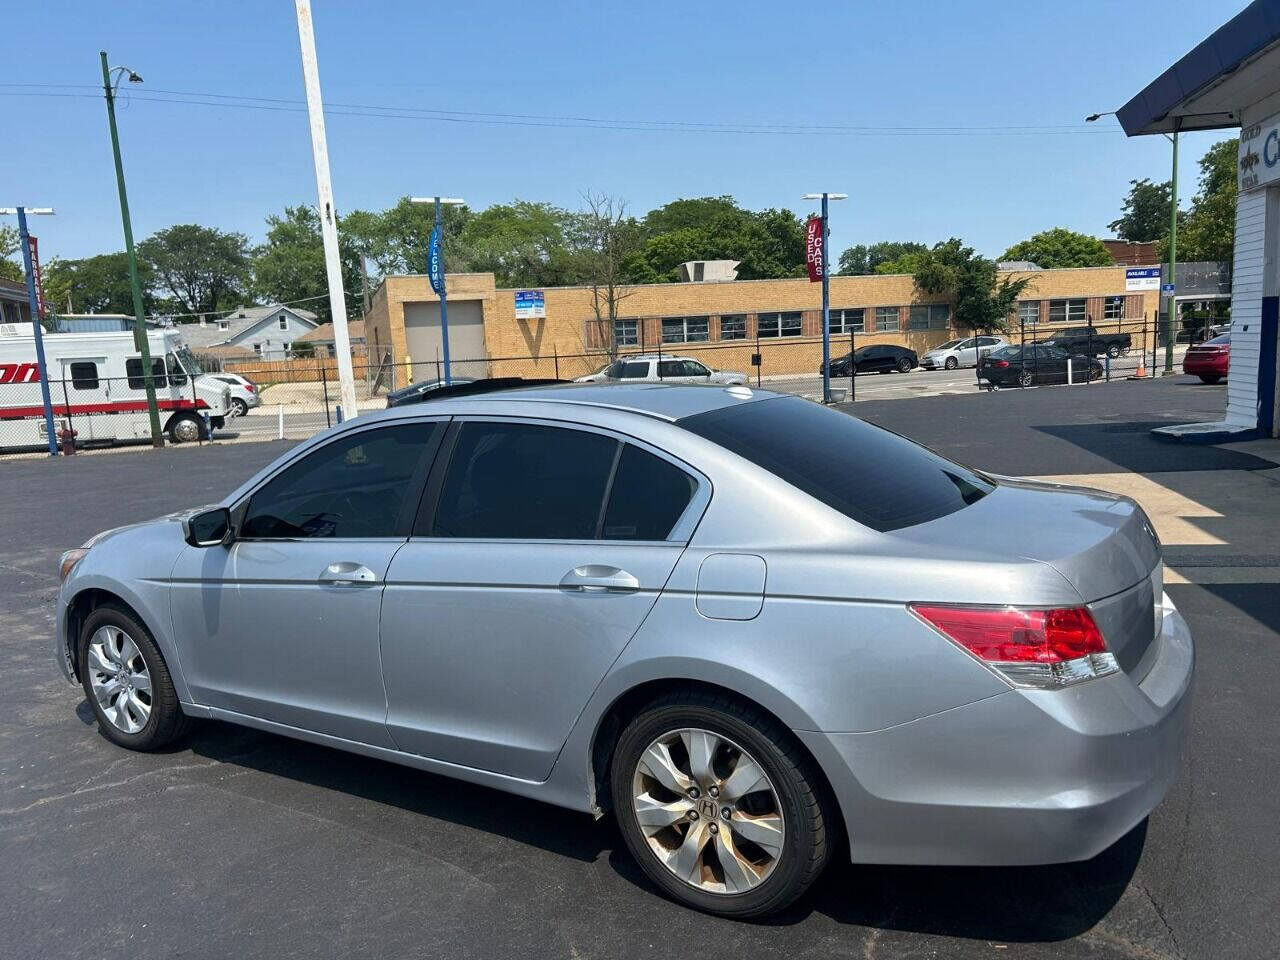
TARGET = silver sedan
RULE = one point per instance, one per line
(761, 632)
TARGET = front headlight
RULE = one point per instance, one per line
(68, 562)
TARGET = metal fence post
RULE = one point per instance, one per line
(760, 365)
(71, 430)
(324, 387)
(555, 353)
(201, 435)
(853, 374)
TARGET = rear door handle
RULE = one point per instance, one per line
(598, 578)
(347, 572)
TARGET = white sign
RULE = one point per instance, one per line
(530, 305)
(1259, 154)
(1141, 278)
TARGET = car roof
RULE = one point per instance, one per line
(657, 356)
(664, 401)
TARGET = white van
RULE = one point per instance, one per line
(97, 388)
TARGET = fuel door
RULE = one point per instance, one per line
(731, 586)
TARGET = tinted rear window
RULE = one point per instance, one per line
(869, 474)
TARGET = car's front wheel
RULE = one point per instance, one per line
(951, 363)
(126, 681)
(1114, 350)
(904, 365)
(720, 806)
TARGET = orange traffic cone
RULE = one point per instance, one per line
(1142, 368)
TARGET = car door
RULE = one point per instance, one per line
(283, 623)
(694, 372)
(82, 394)
(965, 353)
(540, 549)
(672, 371)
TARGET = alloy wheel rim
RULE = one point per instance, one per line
(119, 679)
(708, 811)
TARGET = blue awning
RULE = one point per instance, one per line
(1241, 39)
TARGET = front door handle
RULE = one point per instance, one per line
(597, 578)
(347, 572)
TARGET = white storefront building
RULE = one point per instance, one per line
(1232, 80)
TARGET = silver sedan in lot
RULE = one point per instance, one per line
(762, 632)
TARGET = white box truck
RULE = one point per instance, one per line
(97, 388)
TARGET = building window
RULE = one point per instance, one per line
(848, 321)
(1067, 311)
(886, 319)
(257, 348)
(284, 322)
(224, 325)
(626, 333)
(685, 329)
(1029, 312)
(733, 327)
(287, 345)
(1113, 308)
(929, 316)
(779, 324)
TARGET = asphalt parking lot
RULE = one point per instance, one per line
(247, 844)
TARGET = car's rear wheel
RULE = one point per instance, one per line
(904, 365)
(1210, 378)
(126, 681)
(951, 363)
(1025, 378)
(238, 407)
(1114, 350)
(721, 807)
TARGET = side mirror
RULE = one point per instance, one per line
(209, 529)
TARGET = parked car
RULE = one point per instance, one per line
(244, 393)
(661, 367)
(960, 353)
(416, 392)
(746, 623)
(1210, 360)
(1090, 342)
(1036, 363)
(879, 358)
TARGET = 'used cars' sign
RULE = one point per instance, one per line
(1260, 154)
(813, 242)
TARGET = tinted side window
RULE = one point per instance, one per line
(877, 478)
(671, 368)
(648, 496)
(515, 481)
(137, 380)
(84, 375)
(352, 487)
(635, 370)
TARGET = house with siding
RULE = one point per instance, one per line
(267, 332)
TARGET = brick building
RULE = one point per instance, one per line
(723, 323)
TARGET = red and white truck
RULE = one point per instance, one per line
(97, 388)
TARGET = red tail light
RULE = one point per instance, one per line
(251, 388)
(1000, 363)
(1041, 648)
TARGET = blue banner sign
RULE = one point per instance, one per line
(435, 271)
(530, 304)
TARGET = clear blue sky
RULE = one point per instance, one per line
(904, 64)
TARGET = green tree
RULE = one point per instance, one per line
(407, 235)
(983, 302)
(204, 269)
(1146, 212)
(364, 234)
(522, 243)
(290, 266)
(1208, 231)
(1059, 248)
(906, 262)
(98, 284)
(10, 243)
(766, 244)
(861, 259)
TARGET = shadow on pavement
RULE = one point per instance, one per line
(1130, 445)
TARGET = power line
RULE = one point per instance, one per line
(374, 111)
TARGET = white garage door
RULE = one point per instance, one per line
(466, 338)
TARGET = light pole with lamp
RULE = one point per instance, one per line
(435, 272)
(1173, 240)
(140, 339)
(826, 293)
(33, 300)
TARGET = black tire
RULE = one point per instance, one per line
(951, 363)
(167, 722)
(186, 428)
(810, 823)
(1210, 378)
(238, 407)
(1025, 378)
(904, 365)
(1114, 350)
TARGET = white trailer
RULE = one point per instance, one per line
(97, 388)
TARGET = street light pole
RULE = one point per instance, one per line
(33, 300)
(436, 273)
(140, 339)
(826, 293)
(1173, 256)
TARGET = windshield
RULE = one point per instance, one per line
(949, 345)
(188, 360)
(873, 476)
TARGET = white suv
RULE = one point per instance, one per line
(664, 368)
(244, 393)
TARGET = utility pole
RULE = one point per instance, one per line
(826, 293)
(328, 216)
(33, 300)
(436, 273)
(1173, 256)
(140, 339)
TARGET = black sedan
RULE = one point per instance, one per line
(1015, 366)
(881, 358)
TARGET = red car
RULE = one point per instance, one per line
(1209, 360)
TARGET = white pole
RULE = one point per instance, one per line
(328, 217)
(280, 421)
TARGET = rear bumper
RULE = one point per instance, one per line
(1209, 367)
(1024, 777)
